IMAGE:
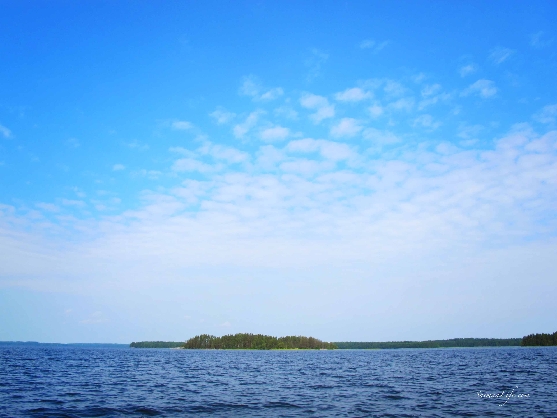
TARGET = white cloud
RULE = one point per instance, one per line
(354, 94)
(373, 45)
(275, 133)
(375, 110)
(70, 202)
(272, 94)
(539, 40)
(431, 90)
(314, 63)
(367, 43)
(118, 167)
(468, 69)
(137, 145)
(469, 132)
(242, 129)
(499, 55)
(313, 101)
(181, 125)
(379, 137)
(224, 153)
(222, 116)
(442, 97)
(404, 104)
(190, 164)
(49, 207)
(548, 114)
(449, 214)
(150, 174)
(319, 103)
(484, 88)
(251, 87)
(5, 132)
(286, 112)
(394, 88)
(347, 127)
(426, 121)
(329, 150)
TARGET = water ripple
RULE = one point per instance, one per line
(105, 382)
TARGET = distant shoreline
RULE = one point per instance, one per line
(528, 341)
(450, 343)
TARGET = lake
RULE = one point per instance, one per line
(98, 382)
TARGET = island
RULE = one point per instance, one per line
(256, 342)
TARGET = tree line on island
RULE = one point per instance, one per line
(454, 342)
(539, 340)
(241, 342)
(267, 342)
(256, 342)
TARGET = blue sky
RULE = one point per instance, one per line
(348, 170)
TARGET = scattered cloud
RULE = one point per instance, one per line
(373, 45)
(118, 167)
(468, 69)
(347, 127)
(430, 90)
(222, 116)
(483, 88)
(241, 129)
(315, 63)
(190, 164)
(48, 207)
(150, 174)
(394, 88)
(354, 94)
(76, 203)
(5, 132)
(181, 125)
(252, 87)
(433, 99)
(404, 104)
(548, 114)
(95, 318)
(539, 40)
(324, 110)
(223, 153)
(375, 110)
(426, 121)
(136, 145)
(275, 133)
(286, 112)
(329, 150)
(469, 132)
(499, 55)
(380, 137)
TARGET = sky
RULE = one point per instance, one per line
(353, 171)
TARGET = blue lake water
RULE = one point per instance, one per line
(96, 382)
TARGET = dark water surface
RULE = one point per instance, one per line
(82, 382)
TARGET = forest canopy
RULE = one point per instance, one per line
(455, 342)
(156, 344)
(256, 342)
(539, 340)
